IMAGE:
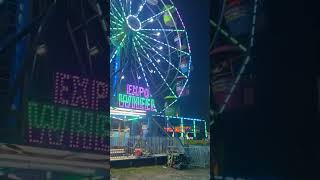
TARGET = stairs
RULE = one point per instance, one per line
(178, 145)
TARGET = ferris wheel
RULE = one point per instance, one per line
(149, 48)
(234, 25)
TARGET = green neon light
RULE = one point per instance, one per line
(135, 102)
(182, 128)
(194, 129)
(134, 119)
(205, 129)
(232, 39)
(60, 119)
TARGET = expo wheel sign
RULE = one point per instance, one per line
(150, 55)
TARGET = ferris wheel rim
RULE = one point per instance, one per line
(141, 33)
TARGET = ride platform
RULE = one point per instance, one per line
(133, 161)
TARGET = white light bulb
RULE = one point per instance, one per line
(160, 47)
(122, 77)
(158, 34)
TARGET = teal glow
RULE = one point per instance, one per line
(194, 129)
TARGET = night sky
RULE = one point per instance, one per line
(288, 58)
(195, 18)
(280, 137)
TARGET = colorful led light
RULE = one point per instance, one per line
(177, 117)
(182, 128)
(47, 125)
(160, 74)
(167, 45)
(161, 46)
(139, 60)
(205, 129)
(130, 19)
(74, 91)
(194, 129)
(156, 15)
(158, 53)
(244, 65)
(135, 102)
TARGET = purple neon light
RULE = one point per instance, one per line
(75, 91)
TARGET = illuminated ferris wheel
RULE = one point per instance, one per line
(234, 25)
(149, 48)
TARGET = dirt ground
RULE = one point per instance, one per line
(159, 173)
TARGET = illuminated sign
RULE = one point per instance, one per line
(81, 92)
(77, 120)
(177, 129)
(136, 98)
(69, 127)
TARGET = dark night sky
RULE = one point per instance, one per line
(286, 72)
(281, 137)
(195, 17)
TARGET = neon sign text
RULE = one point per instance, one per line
(68, 127)
(81, 92)
(136, 98)
(137, 91)
(134, 102)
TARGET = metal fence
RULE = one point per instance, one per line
(150, 145)
(199, 155)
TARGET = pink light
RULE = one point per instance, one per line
(81, 92)
(134, 90)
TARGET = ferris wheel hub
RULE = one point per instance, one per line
(133, 22)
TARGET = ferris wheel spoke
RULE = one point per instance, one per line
(130, 6)
(184, 86)
(122, 7)
(113, 55)
(141, 7)
(155, 82)
(115, 17)
(153, 49)
(228, 36)
(113, 28)
(149, 58)
(168, 30)
(153, 56)
(139, 60)
(117, 48)
(115, 23)
(117, 35)
(166, 60)
(156, 15)
(147, 64)
(116, 10)
(167, 45)
(169, 106)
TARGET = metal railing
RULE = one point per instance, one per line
(126, 146)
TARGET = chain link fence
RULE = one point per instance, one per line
(199, 156)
